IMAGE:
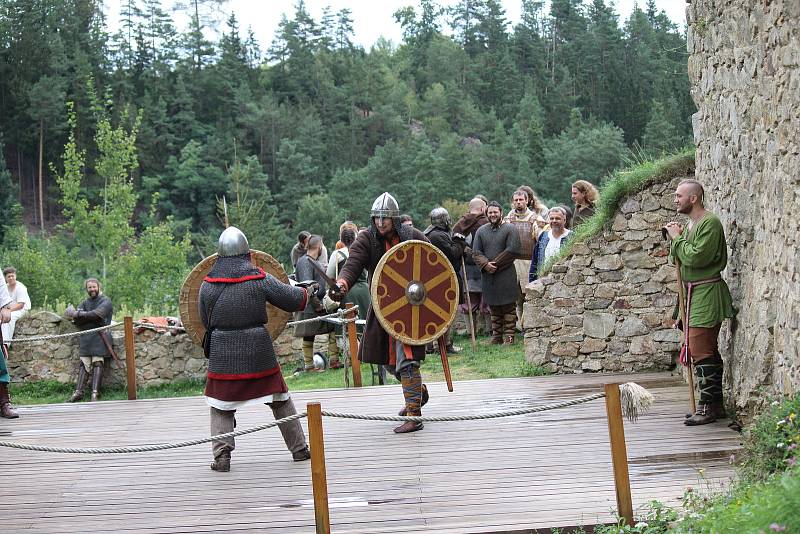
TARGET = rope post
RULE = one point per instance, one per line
(319, 478)
(130, 358)
(355, 365)
(619, 453)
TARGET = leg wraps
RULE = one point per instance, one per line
(308, 351)
(333, 348)
(411, 379)
(509, 320)
(292, 432)
(498, 318)
(709, 380)
(222, 422)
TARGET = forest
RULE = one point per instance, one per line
(119, 147)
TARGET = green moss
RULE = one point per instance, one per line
(618, 188)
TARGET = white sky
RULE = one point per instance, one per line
(371, 18)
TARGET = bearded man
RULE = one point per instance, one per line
(6, 409)
(242, 366)
(377, 345)
(464, 236)
(94, 347)
(529, 225)
(494, 251)
(701, 250)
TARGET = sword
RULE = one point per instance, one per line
(445, 364)
(328, 280)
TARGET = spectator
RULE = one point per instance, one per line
(95, 347)
(496, 246)
(528, 225)
(308, 331)
(359, 293)
(550, 242)
(439, 234)
(406, 220)
(584, 195)
(464, 236)
(6, 408)
(534, 204)
(299, 249)
(568, 212)
(20, 301)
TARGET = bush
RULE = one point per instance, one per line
(772, 443)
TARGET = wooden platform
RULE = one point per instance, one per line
(501, 475)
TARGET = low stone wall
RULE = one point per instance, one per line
(608, 306)
(160, 357)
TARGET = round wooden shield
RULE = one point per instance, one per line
(190, 295)
(414, 292)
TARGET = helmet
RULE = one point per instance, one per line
(385, 206)
(232, 242)
(320, 362)
(440, 217)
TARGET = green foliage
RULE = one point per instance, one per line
(321, 216)
(9, 206)
(657, 519)
(44, 265)
(772, 442)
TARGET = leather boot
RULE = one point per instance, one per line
(222, 463)
(6, 409)
(703, 416)
(80, 384)
(411, 380)
(97, 377)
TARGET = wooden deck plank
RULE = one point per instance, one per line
(501, 475)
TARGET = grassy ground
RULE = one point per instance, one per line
(489, 361)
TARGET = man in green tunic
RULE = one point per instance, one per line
(702, 253)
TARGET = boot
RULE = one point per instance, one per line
(97, 377)
(411, 380)
(80, 384)
(333, 353)
(222, 463)
(301, 455)
(703, 416)
(425, 397)
(6, 409)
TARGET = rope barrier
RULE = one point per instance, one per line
(475, 417)
(149, 448)
(61, 336)
(361, 417)
(339, 314)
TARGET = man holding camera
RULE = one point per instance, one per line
(700, 252)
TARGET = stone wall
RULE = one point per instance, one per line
(608, 306)
(743, 65)
(160, 357)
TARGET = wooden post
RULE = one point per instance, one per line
(685, 320)
(619, 453)
(355, 365)
(130, 358)
(319, 478)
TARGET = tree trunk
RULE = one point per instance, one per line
(41, 188)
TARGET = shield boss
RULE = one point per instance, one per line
(190, 295)
(414, 292)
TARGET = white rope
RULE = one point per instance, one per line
(60, 336)
(361, 417)
(153, 326)
(339, 313)
(149, 448)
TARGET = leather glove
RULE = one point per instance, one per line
(337, 292)
(311, 286)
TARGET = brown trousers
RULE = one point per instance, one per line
(703, 342)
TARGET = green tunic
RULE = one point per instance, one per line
(703, 254)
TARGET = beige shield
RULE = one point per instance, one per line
(190, 295)
(414, 292)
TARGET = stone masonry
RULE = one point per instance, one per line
(744, 66)
(608, 306)
(160, 357)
